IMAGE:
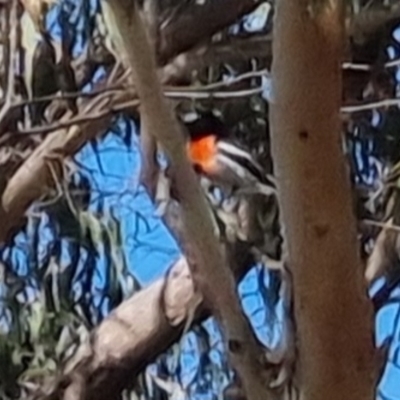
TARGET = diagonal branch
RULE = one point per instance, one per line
(136, 332)
(209, 267)
(198, 22)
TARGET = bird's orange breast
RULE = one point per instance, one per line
(202, 152)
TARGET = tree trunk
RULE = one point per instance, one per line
(332, 313)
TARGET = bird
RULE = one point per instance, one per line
(215, 154)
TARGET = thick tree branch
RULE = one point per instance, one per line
(370, 20)
(198, 22)
(136, 332)
(231, 51)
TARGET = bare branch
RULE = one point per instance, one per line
(348, 109)
(123, 345)
(198, 22)
(257, 46)
(209, 268)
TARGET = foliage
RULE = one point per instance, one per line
(65, 271)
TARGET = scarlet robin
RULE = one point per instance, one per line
(215, 154)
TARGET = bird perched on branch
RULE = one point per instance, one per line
(251, 218)
(215, 154)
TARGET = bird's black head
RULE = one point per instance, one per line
(207, 124)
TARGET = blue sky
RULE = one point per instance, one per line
(149, 247)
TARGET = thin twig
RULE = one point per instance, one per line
(383, 225)
(228, 82)
(393, 63)
(170, 91)
(185, 92)
(215, 95)
(368, 67)
(356, 67)
(370, 106)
